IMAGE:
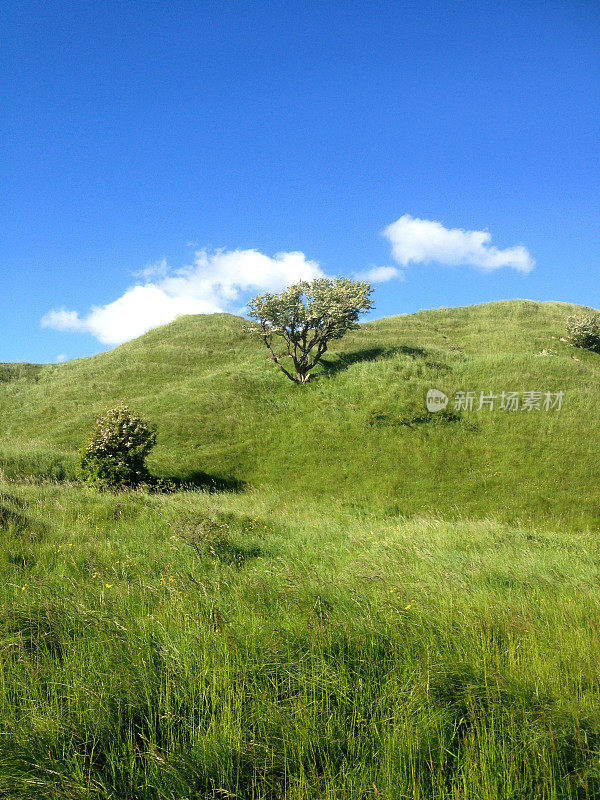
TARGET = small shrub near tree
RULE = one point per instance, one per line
(584, 331)
(115, 455)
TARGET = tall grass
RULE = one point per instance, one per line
(252, 645)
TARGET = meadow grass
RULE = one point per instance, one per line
(213, 645)
(351, 599)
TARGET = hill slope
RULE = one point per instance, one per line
(358, 432)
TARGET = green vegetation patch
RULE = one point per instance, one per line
(246, 645)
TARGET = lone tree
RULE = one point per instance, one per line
(307, 316)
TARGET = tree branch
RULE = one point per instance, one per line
(276, 359)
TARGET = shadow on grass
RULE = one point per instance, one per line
(205, 482)
(428, 359)
(210, 537)
(345, 360)
(226, 551)
(12, 517)
(407, 350)
(19, 372)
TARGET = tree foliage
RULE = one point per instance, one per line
(307, 316)
(114, 456)
(584, 331)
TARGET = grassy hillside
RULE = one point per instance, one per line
(370, 603)
(358, 431)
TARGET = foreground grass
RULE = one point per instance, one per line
(210, 646)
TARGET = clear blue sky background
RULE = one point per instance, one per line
(137, 131)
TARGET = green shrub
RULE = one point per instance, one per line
(115, 455)
(584, 331)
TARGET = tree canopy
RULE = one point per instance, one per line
(307, 316)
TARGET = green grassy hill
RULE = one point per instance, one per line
(381, 604)
(358, 431)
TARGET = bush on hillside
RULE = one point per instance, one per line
(115, 455)
(584, 331)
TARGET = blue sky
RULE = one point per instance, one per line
(171, 157)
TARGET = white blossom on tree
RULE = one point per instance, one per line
(306, 317)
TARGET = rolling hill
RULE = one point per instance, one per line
(379, 603)
(359, 431)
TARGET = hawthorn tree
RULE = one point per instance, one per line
(114, 457)
(307, 316)
(584, 331)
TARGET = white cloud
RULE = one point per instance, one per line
(61, 358)
(380, 274)
(214, 282)
(422, 240)
(160, 269)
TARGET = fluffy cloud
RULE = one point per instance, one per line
(380, 274)
(422, 240)
(223, 280)
(214, 282)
